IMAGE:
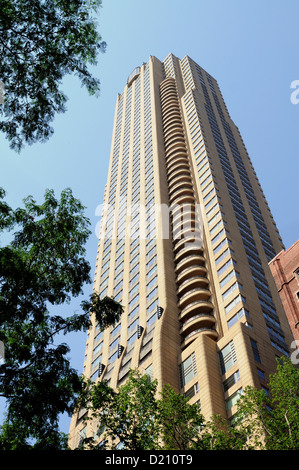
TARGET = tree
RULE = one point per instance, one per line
(44, 265)
(126, 416)
(272, 419)
(180, 422)
(183, 427)
(218, 434)
(138, 417)
(41, 42)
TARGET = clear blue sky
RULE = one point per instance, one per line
(251, 48)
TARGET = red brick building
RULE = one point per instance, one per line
(285, 270)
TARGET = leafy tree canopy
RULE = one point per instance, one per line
(138, 417)
(272, 419)
(41, 41)
(44, 265)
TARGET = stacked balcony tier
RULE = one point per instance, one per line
(194, 296)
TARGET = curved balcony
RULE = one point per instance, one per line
(191, 274)
(201, 320)
(168, 95)
(184, 230)
(174, 123)
(191, 283)
(178, 167)
(194, 295)
(190, 250)
(181, 183)
(167, 89)
(176, 157)
(167, 86)
(185, 246)
(182, 194)
(186, 233)
(189, 261)
(177, 175)
(171, 102)
(174, 142)
(178, 142)
(175, 137)
(180, 211)
(212, 333)
(194, 308)
(191, 271)
(176, 163)
(172, 115)
(174, 128)
(183, 198)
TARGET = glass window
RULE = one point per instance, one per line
(152, 306)
(227, 357)
(134, 300)
(133, 312)
(228, 383)
(231, 289)
(261, 374)
(133, 325)
(233, 399)
(227, 278)
(96, 361)
(152, 319)
(114, 343)
(237, 317)
(132, 339)
(113, 357)
(255, 350)
(188, 370)
(115, 330)
(149, 372)
(97, 349)
(234, 302)
(224, 267)
(223, 255)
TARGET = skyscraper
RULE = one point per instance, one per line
(184, 246)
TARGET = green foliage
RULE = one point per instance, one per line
(218, 434)
(180, 422)
(107, 311)
(183, 427)
(126, 416)
(141, 418)
(40, 43)
(44, 265)
(274, 417)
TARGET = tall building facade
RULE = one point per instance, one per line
(185, 242)
(285, 270)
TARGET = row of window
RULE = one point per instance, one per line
(261, 227)
(227, 360)
(246, 234)
(134, 253)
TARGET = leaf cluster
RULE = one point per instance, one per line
(138, 417)
(43, 267)
(272, 419)
(40, 43)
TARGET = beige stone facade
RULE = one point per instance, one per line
(203, 259)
